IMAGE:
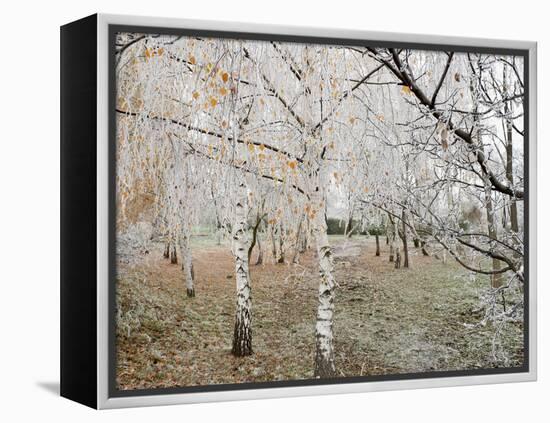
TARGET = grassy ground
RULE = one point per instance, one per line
(387, 320)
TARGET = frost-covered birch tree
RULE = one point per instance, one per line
(265, 137)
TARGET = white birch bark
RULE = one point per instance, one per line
(187, 264)
(393, 236)
(324, 349)
(242, 336)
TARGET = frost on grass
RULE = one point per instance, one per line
(429, 318)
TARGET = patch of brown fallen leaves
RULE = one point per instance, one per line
(387, 320)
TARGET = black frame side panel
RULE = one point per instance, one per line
(78, 211)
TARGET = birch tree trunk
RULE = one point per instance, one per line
(393, 231)
(273, 243)
(173, 252)
(304, 245)
(397, 258)
(187, 264)
(496, 279)
(260, 259)
(510, 154)
(324, 349)
(281, 259)
(297, 241)
(242, 335)
(405, 245)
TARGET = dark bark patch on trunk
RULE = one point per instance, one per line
(324, 368)
(174, 256)
(242, 337)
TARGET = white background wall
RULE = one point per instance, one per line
(29, 181)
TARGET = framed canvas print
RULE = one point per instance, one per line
(254, 211)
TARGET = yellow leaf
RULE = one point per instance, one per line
(148, 53)
(405, 90)
(251, 147)
(160, 51)
(213, 101)
(196, 95)
(262, 147)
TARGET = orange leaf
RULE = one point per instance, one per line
(192, 60)
(225, 77)
(223, 91)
